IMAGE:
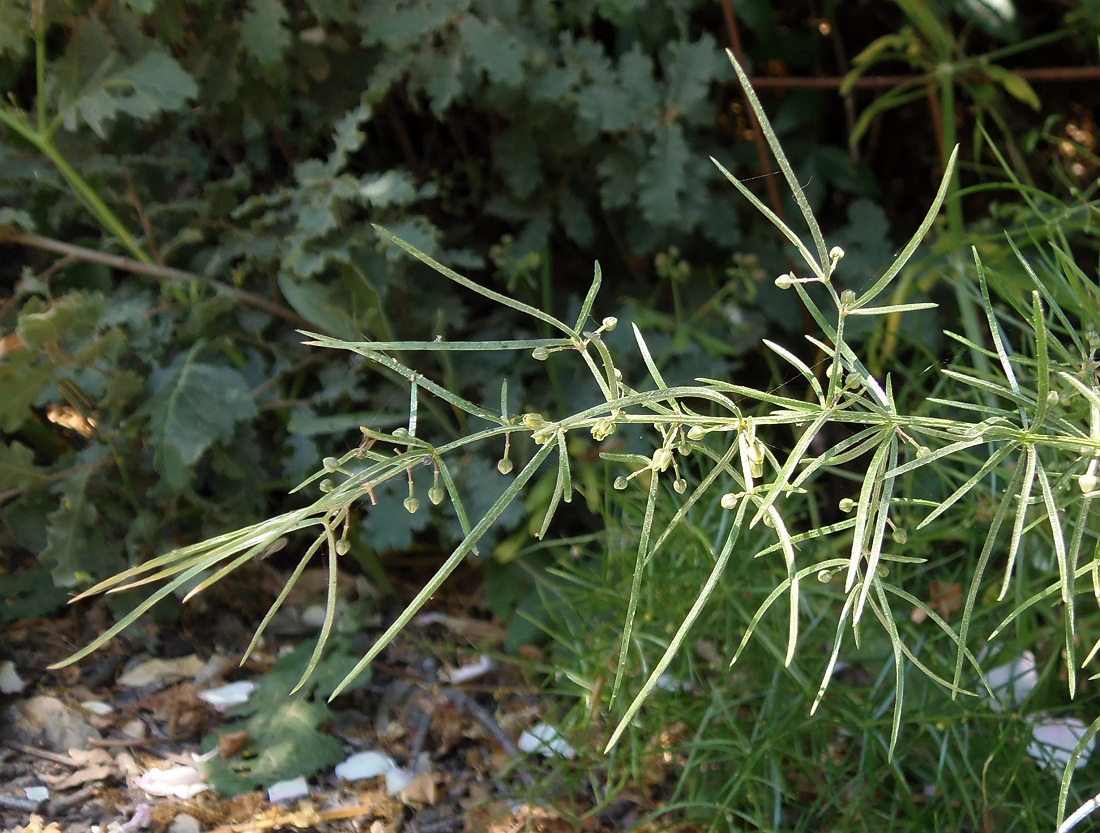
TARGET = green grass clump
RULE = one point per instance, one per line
(740, 749)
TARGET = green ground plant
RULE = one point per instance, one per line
(832, 497)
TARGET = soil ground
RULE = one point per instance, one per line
(77, 743)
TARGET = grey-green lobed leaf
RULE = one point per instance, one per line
(691, 67)
(17, 467)
(76, 546)
(662, 176)
(192, 406)
(393, 21)
(494, 50)
(154, 84)
(14, 30)
(264, 34)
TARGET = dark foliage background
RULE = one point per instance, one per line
(182, 185)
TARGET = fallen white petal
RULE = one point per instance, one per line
(313, 616)
(465, 673)
(231, 694)
(290, 790)
(97, 707)
(544, 739)
(177, 782)
(37, 793)
(422, 620)
(1054, 738)
(364, 765)
(397, 780)
(1012, 682)
(10, 681)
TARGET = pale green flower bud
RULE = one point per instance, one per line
(662, 459)
(603, 428)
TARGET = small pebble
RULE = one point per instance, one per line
(10, 681)
(47, 722)
(134, 729)
(184, 823)
(287, 791)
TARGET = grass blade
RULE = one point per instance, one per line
(636, 581)
(864, 511)
(994, 327)
(885, 486)
(1064, 576)
(1030, 464)
(799, 365)
(994, 460)
(793, 184)
(915, 240)
(834, 654)
(590, 298)
(773, 218)
(1042, 362)
(485, 292)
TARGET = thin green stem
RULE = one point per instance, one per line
(84, 192)
(950, 138)
(39, 24)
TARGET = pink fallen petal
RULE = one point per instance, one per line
(142, 818)
(175, 782)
